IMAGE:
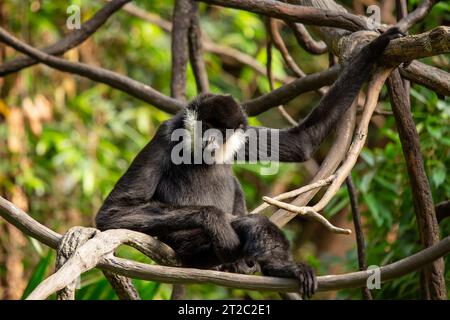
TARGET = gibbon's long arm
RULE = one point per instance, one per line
(299, 143)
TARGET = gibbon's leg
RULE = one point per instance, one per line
(158, 220)
(265, 243)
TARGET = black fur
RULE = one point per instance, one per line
(199, 210)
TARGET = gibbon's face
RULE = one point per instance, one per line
(219, 122)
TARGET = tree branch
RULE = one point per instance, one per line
(288, 12)
(160, 252)
(417, 15)
(427, 44)
(305, 40)
(70, 41)
(196, 51)
(428, 76)
(113, 79)
(289, 91)
(359, 234)
(422, 198)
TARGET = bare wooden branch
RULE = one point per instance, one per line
(288, 12)
(227, 53)
(431, 43)
(334, 157)
(196, 51)
(269, 73)
(305, 40)
(289, 91)
(113, 79)
(185, 275)
(180, 47)
(294, 193)
(70, 242)
(73, 39)
(273, 29)
(359, 139)
(307, 212)
(422, 197)
(417, 15)
(428, 76)
(359, 234)
(262, 283)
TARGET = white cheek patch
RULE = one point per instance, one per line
(226, 152)
(190, 124)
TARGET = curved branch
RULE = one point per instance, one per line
(305, 40)
(415, 16)
(307, 212)
(302, 14)
(291, 90)
(184, 275)
(113, 79)
(294, 193)
(359, 140)
(70, 41)
(334, 157)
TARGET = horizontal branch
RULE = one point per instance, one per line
(427, 44)
(113, 79)
(302, 14)
(263, 283)
(70, 41)
(428, 76)
(132, 269)
(291, 90)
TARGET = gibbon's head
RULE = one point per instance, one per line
(218, 122)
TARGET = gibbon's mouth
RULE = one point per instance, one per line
(225, 153)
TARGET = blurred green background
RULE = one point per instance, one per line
(65, 141)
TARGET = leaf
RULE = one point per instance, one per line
(438, 174)
(371, 202)
(38, 274)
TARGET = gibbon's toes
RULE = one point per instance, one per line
(241, 266)
(308, 280)
(393, 33)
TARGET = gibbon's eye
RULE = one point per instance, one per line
(241, 126)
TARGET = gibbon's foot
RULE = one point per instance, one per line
(242, 266)
(308, 281)
(380, 43)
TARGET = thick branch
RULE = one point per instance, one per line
(113, 79)
(428, 76)
(422, 198)
(181, 22)
(427, 44)
(184, 275)
(306, 15)
(70, 41)
(196, 51)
